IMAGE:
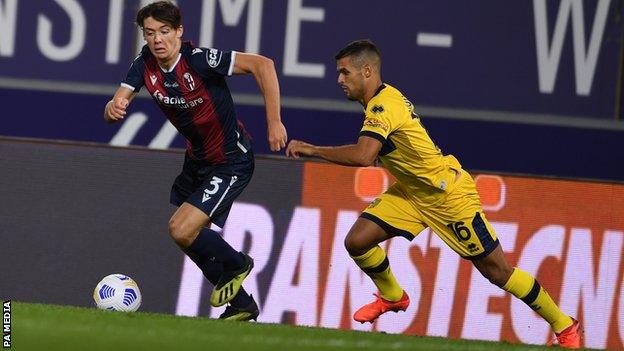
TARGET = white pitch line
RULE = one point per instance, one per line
(434, 39)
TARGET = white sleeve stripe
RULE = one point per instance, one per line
(240, 146)
(232, 59)
(125, 85)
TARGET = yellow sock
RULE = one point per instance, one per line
(523, 286)
(375, 264)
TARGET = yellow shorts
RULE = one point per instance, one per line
(459, 220)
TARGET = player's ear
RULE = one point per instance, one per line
(180, 31)
(367, 70)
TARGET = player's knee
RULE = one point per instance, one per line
(355, 245)
(498, 275)
(181, 232)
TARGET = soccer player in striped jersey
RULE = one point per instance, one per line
(188, 84)
(432, 190)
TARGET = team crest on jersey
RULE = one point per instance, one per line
(188, 81)
(375, 123)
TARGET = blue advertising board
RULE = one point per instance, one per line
(508, 86)
(550, 57)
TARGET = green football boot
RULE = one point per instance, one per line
(230, 282)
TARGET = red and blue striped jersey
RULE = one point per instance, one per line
(194, 96)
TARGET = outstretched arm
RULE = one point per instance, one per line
(362, 154)
(263, 71)
(115, 109)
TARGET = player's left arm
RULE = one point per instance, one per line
(362, 154)
(263, 70)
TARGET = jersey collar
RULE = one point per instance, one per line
(381, 87)
(172, 66)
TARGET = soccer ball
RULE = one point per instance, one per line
(117, 292)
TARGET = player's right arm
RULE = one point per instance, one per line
(115, 109)
(362, 154)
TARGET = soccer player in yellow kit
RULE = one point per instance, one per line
(432, 190)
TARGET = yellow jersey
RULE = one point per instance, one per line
(407, 151)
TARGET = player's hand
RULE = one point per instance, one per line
(276, 133)
(115, 109)
(298, 148)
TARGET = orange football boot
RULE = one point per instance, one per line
(371, 311)
(570, 337)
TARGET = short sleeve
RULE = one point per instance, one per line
(134, 79)
(210, 62)
(378, 123)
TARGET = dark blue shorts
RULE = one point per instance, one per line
(212, 188)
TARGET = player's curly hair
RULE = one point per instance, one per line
(163, 11)
(363, 50)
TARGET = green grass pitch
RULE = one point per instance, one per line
(64, 328)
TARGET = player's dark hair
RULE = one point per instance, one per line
(162, 11)
(360, 49)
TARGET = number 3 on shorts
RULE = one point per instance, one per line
(215, 185)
